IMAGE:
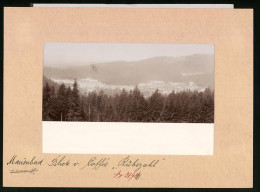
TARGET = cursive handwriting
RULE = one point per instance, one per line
(127, 175)
(134, 165)
(15, 161)
(128, 162)
(32, 171)
(59, 161)
(96, 164)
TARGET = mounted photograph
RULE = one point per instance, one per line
(117, 88)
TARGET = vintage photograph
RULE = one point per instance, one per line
(128, 82)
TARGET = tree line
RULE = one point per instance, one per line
(67, 104)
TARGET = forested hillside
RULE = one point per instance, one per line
(67, 104)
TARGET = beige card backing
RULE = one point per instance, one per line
(231, 31)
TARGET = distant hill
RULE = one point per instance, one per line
(194, 68)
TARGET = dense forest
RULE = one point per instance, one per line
(67, 104)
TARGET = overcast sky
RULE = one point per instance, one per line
(58, 54)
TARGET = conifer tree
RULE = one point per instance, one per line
(77, 115)
(46, 96)
(69, 108)
(62, 102)
(155, 106)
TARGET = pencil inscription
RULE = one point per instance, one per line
(24, 161)
(32, 171)
(128, 167)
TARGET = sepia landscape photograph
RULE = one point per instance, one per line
(128, 82)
